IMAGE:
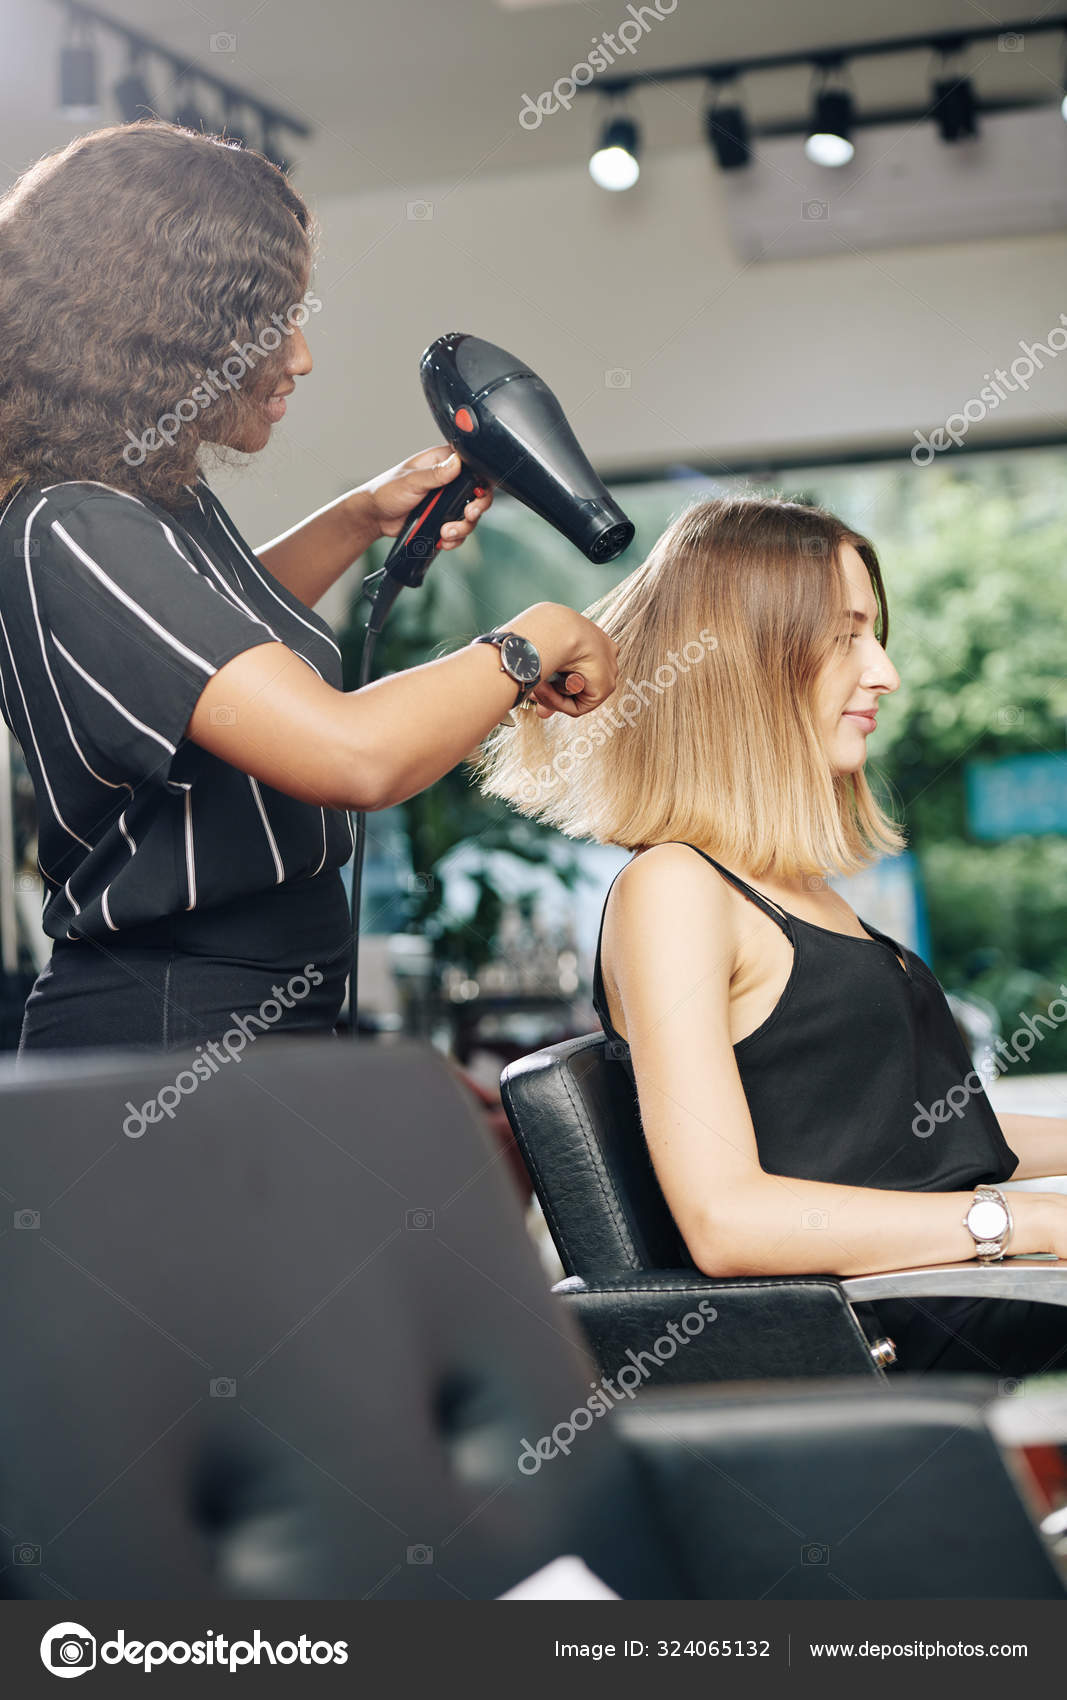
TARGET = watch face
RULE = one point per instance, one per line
(521, 658)
(987, 1219)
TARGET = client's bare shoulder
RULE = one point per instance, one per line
(670, 918)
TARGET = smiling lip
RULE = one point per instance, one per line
(868, 721)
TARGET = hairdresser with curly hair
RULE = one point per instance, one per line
(179, 704)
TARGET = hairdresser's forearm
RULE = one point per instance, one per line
(783, 1226)
(1039, 1142)
(311, 556)
(426, 719)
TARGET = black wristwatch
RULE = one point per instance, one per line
(518, 658)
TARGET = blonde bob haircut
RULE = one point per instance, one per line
(710, 736)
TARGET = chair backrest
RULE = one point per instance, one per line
(278, 1331)
(574, 1112)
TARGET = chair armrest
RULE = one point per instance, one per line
(840, 1490)
(1034, 1276)
(750, 1329)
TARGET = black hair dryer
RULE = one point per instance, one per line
(509, 430)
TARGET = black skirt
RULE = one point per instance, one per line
(270, 964)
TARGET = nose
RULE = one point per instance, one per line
(298, 360)
(881, 675)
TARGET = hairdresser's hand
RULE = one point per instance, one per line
(390, 497)
(571, 645)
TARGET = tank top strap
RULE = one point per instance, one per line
(767, 904)
(781, 916)
(599, 1001)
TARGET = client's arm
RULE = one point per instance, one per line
(674, 931)
(1039, 1142)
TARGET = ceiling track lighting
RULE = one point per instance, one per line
(951, 104)
(78, 98)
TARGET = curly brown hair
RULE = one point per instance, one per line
(130, 261)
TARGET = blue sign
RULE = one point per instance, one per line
(1016, 794)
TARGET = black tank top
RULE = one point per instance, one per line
(857, 1054)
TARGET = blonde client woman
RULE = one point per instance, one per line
(789, 1058)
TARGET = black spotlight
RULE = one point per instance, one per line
(132, 94)
(189, 115)
(829, 140)
(232, 131)
(270, 148)
(728, 132)
(77, 72)
(955, 109)
(614, 163)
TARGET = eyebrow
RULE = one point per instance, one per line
(856, 614)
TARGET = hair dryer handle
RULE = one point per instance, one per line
(419, 537)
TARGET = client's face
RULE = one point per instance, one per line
(856, 676)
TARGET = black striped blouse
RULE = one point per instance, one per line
(114, 613)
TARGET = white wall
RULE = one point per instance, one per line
(724, 360)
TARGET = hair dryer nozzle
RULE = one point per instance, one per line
(608, 529)
(508, 427)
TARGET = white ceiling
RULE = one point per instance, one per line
(406, 92)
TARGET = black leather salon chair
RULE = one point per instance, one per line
(286, 1337)
(574, 1111)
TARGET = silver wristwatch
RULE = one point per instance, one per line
(990, 1223)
